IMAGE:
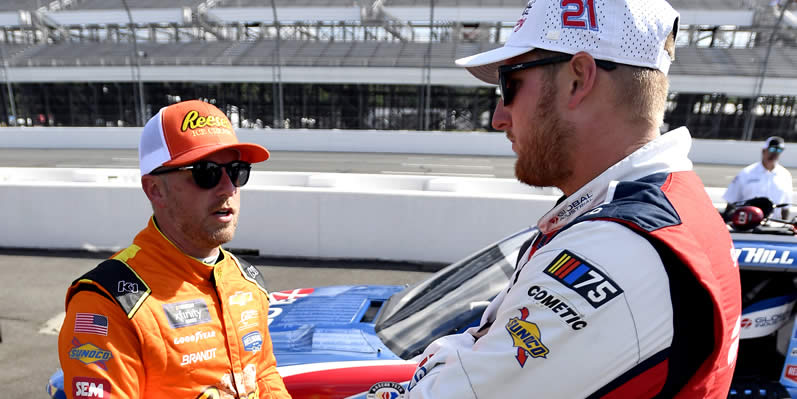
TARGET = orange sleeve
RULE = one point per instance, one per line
(99, 350)
(269, 382)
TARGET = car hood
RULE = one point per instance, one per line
(328, 324)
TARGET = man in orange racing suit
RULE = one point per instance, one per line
(174, 315)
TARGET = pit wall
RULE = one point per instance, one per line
(286, 214)
(307, 215)
(454, 143)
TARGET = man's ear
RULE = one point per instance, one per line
(155, 189)
(582, 75)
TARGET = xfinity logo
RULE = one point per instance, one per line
(187, 313)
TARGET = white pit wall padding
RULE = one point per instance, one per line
(728, 152)
(331, 216)
(290, 214)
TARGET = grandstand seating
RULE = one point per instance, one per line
(717, 5)
(117, 16)
(13, 5)
(13, 50)
(55, 5)
(692, 4)
(287, 3)
(690, 60)
(456, 3)
(133, 4)
(734, 62)
(320, 35)
(292, 53)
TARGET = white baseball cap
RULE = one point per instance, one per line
(631, 32)
(186, 132)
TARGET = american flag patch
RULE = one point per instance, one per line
(91, 323)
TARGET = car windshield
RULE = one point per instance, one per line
(451, 300)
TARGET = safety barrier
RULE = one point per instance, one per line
(404, 218)
(309, 215)
(728, 152)
(286, 214)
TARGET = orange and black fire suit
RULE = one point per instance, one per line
(153, 322)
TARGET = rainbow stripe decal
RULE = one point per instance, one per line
(586, 280)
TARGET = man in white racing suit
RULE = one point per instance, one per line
(629, 290)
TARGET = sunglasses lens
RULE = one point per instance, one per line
(238, 172)
(206, 174)
(506, 92)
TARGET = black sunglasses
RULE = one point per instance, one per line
(207, 174)
(508, 92)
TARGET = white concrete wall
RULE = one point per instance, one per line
(459, 143)
(407, 218)
(291, 214)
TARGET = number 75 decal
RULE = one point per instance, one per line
(583, 278)
(579, 14)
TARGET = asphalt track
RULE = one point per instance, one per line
(34, 282)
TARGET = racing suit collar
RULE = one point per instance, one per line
(667, 153)
(181, 264)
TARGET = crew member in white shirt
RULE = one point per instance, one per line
(764, 179)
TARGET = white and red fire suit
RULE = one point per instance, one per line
(628, 291)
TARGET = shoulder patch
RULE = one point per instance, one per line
(118, 280)
(586, 280)
(251, 273)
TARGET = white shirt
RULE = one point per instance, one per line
(756, 181)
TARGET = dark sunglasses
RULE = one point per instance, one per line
(207, 174)
(508, 92)
(775, 149)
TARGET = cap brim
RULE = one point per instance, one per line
(484, 66)
(251, 153)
